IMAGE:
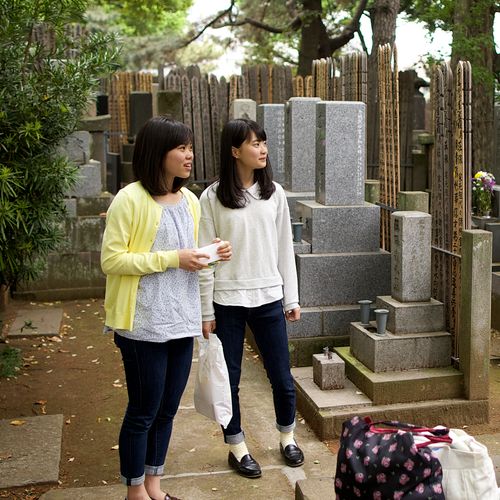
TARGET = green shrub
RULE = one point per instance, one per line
(43, 92)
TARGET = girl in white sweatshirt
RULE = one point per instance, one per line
(258, 286)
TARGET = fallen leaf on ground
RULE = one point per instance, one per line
(55, 339)
(62, 350)
(17, 422)
(5, 456)
(117, 385)
(71, 459)
(68, 421)
(90, 347)
(115, 447)
(116, 381)
(40, 402)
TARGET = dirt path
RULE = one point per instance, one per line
(81, 377)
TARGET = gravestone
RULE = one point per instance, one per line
(340, 153)
(170, 103)
(271, 117)
(141, 110)
(300, 143)
(243, 108)
(411, 256)
(113, 172)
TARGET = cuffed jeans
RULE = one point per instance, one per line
(267, 323)
(156, 375)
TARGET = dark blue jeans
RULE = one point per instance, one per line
(156, 375)
(267, 323)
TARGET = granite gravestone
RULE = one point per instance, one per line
(271, 117)
(340, 153)
(300, 143)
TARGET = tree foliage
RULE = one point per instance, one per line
(154, 17)
(43, 92)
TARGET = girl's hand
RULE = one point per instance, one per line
(189, 259)
(293, 315)
(207, 327)
(224, 250)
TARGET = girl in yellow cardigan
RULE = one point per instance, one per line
(152, 300)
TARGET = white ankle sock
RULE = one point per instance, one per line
(239, 450)
(286, 438)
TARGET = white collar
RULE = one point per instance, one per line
(254, 190)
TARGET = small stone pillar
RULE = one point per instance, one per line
(372, 191)
(475, 313)
(170, 103)
(141, 110)
(328, 371)
(413, 201)
(411, 256)
(271, 117)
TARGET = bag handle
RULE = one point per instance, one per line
(431, 435)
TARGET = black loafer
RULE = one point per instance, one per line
(292, 454)
(246, 467)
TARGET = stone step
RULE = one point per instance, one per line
(325, 411)
(342, 278)
(389, 352)
(340, 229)
(402, 386)
(412, 317)
(321, 488)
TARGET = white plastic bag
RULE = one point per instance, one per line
(212, 392)
(468, 471)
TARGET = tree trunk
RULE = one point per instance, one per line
(473, 41)
(383, 17)
(314, 39)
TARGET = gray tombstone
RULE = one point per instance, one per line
(112, 172)
(141, 110)
(170, 103)
(243, 108)
(411, 256)
(340, 153)
(300, 143)
(271, 117)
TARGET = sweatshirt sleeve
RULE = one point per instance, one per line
(206, 276)
(286, 254)
(116, 257)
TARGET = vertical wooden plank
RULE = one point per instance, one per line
(197, 129)
(208, 156)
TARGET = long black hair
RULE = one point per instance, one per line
(157, 137)
(230, 190)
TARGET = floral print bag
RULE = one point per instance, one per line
(382, 461)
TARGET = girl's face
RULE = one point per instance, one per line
(178, 162)
(252, 154)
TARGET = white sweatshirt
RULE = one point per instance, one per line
(262, 268)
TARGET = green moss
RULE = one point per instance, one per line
(10, 361)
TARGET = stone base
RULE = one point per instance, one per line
(389, 352)
(342, 278)
(293, 197)
(412, 317)
(328, 373)
(77, 293)
(340, 229)
(403, 386)
(325, 321)
(326, 415)
(302, 350)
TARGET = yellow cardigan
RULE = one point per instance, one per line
(132, 221)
